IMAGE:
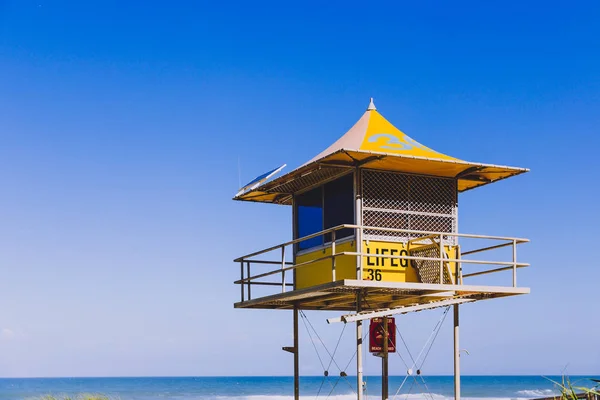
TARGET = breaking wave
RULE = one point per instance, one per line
(537, 393)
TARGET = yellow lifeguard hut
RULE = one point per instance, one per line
(375, 232)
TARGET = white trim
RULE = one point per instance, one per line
(399, 310)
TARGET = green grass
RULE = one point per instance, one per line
(569, 390)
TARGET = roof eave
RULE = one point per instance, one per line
(353, 162)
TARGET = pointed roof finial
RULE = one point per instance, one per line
(371, 106)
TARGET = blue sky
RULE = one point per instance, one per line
(122, 125)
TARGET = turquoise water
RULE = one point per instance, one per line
(279, 388)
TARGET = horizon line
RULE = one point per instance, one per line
(286, 376)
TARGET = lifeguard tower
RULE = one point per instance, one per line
(375, 233)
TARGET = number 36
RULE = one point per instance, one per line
(374, 275)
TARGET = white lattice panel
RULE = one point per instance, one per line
(403, 201)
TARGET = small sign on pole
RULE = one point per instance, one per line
(376, 335)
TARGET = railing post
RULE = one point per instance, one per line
(385, 361)
(514, 263)
(358, 221)
(296, 357)
(248, 274)
(441, 258)
(333, 277)
(456, 354)
(359, 247)
(457, 278)
(359, 343)
(242, 278)
(283, 269)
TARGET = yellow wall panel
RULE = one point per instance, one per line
(319, 272)
(374, 268)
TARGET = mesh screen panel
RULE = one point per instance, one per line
(429, 270)
(402, 201)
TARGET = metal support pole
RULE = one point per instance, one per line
(282, 269)
(441, 259)
(359, 360)
(358, 221)
(249, 283)
(242, 278)
(294, 246)
(514, 263)
(384, 361)
(456, 356)
(333, 277)
(296, 358)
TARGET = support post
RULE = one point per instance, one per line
(333, 275)
(441, 259)
(358, 221)
(359, 360)
(242, 278)
(296, 358)
(456, 355)
(249, 283)
(384, 361)
(514, 271)
(358, 233)
(282, 269)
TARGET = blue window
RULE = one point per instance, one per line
(309, 217)
(325, 207)
(339, 206)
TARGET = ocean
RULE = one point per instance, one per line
(281, 388)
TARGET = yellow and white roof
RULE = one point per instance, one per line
(374, 143)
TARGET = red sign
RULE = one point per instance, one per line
(376, 335)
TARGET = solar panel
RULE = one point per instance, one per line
(254, 183)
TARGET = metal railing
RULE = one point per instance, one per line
(247, 280)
